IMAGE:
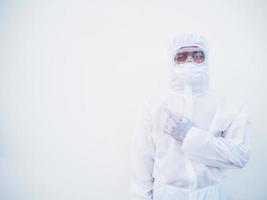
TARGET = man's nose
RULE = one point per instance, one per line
(190, 59)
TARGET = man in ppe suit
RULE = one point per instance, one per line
(185, 141)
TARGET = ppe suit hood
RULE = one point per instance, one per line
(179, 78)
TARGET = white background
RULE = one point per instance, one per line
(74, 73)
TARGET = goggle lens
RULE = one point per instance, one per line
(198, 56)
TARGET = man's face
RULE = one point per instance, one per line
(188, 54)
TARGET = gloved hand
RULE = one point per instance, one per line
(177, 126)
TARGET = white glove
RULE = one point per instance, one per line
(177, 126)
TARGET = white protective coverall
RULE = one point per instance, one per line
(163, 168)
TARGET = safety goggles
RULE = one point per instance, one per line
(193, 54)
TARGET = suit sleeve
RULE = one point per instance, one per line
(231, 150)
(142, 158)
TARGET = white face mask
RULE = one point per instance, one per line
(191, 73)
